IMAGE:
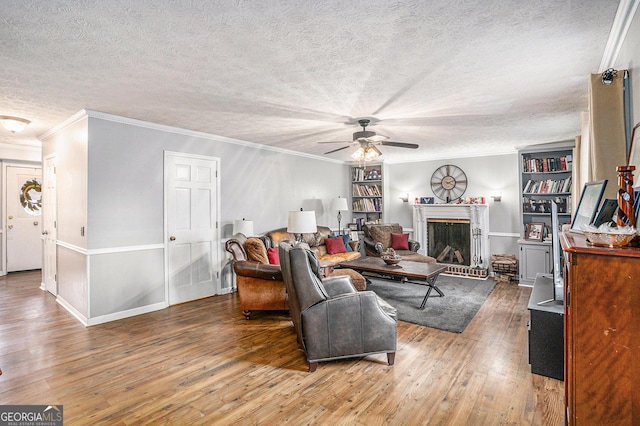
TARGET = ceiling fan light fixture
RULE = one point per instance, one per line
(371, 153)
(359, 154)
(13, 124)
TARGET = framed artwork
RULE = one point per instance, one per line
(535, 231)
(426, 200)
(588, 205)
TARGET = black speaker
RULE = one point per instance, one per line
(546, 343)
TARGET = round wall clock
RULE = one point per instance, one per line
(448, 182)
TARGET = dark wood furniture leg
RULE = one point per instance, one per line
(247, 314)
(313, 366)
(391, 358)
(431, 283)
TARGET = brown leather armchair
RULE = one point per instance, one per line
(331, 318)
(260, 286)
(377, 239)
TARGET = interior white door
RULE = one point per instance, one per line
(24, 218)
(49, 225)
(191, 227)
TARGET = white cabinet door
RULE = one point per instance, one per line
(534, 259)
(191, 227)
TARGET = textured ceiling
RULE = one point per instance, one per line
(456, 77)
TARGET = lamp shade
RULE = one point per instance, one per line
(243, 227)
(302, 222)
(339, 204)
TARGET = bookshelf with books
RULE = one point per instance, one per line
(545, 176)
(367, 193)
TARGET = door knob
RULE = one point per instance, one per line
(35, 223)
(10, 226)
(10, 217)
(45, 232)
(172, 238)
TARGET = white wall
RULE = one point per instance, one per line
(111, 182)
(69, 143)
(485, 175)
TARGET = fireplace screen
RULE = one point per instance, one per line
(449, 240)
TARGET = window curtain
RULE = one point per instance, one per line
(582, 172)
(602, 145)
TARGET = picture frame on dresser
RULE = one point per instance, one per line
(607, 212)
(588, 205)
(535, 231)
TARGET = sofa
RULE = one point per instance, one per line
(259, 282)
(316, 241)
(378, 238)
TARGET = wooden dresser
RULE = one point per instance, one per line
(602, 333)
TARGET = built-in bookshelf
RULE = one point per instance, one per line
(367, 192)
(545, 176)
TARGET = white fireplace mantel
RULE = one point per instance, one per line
(476, 214)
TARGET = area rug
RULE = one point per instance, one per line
(462, 299)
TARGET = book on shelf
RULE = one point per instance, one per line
(548, 186)
(561, 163)
(366, 190)
(367, 205)
(362, 174)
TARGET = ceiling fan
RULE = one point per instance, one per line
(366, 141)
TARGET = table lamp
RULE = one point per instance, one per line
(302, 222)
(243, 227)
(339, 204)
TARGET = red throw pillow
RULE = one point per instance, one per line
(335, 245)
(400, 241)
(273, 255)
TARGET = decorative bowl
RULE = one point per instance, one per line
(609, 239)
(391, 260)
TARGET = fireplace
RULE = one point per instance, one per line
(449, 240)
(475, 220)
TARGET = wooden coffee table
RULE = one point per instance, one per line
(410, 272)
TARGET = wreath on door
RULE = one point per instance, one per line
(31, 196)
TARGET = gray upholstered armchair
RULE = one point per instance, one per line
(331, 318)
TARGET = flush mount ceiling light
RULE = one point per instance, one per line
(13, 124)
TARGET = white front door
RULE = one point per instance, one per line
(191, 197)
(24, 218)
(49, 225)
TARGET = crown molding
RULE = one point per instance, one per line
(21, 147)
(505, 151)
(621, 23)
(192, 133)
(66, 123)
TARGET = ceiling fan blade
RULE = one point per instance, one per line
(335, 142)
(400, 144)
(336, 150)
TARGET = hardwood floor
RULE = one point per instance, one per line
(203, 363)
